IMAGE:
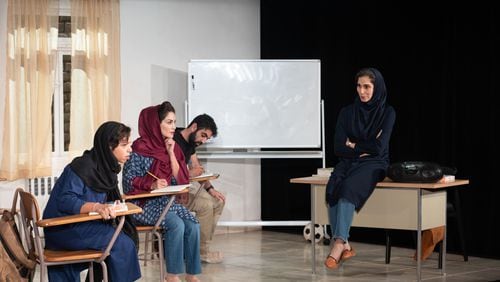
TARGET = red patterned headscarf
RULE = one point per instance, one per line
(151, 143)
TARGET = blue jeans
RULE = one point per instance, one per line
(181, 242)
(340, 216)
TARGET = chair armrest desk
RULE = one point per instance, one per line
(131, 209)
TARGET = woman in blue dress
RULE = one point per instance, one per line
(85, 185)
(156, 153)
(361, 142)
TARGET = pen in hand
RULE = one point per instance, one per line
(159, 183)
(152, 175)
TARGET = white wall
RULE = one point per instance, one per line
(161, 36)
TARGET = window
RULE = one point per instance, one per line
(62, 93)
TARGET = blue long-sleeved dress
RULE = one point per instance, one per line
(67, 197)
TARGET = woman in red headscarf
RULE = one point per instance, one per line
(156, 153)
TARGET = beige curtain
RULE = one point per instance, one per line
(95, 63)
(31, 53)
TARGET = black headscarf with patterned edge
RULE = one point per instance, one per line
(368, 116)
(98, 167)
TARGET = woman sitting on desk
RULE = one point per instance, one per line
(362, 144)
(156, 163)
(84, 186)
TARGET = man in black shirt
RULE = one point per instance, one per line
(204, 200)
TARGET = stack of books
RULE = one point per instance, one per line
(325, 171)
(447, 179)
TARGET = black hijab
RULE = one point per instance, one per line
(98, 167)
(368, 117)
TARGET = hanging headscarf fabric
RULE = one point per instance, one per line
(368, 117)
(98, 167)
(151, 143)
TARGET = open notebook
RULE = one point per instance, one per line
(171, 188)
(118, 206)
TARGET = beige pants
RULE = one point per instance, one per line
(208, 210)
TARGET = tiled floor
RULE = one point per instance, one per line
(274, 256)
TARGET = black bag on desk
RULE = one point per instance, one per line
(415, 171)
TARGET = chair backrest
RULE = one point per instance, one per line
(30, 213)
(11, 240)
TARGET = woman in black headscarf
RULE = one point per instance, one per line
(362, 144)
(85, 185)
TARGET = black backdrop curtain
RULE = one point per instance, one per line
(441, 67)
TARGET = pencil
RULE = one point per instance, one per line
(152, 175)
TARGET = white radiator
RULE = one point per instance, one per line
(41, 188)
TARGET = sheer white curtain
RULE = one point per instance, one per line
(95, 63)
(30, 66)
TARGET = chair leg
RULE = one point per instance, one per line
(158, 236)
(91, 272)
(43, 271)
(104, 271)
(387, 246)
(146, 249)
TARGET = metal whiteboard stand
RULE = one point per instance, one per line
(256, 154)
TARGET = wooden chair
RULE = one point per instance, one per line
(30, 213)
(150, 238)
(154, 231)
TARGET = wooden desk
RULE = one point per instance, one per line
(393, 205)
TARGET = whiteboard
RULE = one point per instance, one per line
(258, 103)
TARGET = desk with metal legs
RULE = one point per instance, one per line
(393, 205)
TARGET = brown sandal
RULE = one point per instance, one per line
(331, 262)
(347, 254)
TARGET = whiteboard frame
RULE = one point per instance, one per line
(250, 146)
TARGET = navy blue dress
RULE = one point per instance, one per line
(354, 177)
(67, 198)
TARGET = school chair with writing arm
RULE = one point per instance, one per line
(154, 231)
(30, 213)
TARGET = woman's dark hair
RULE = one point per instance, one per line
(164, 109)
(122, 132)
(205, 121)
(365, 72)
